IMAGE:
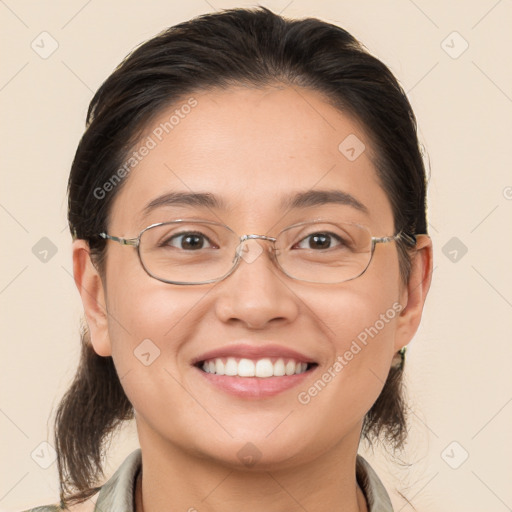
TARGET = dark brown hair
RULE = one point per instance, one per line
(252, 47)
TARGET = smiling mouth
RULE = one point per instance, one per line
(261, 368)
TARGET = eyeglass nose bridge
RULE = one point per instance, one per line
(247, 255)
(254, 237)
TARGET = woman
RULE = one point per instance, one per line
(249, 221)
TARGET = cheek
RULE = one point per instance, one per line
(148, 322)
(359, 328)
(150, 312)
(151, 326)
(362, 310)
(358, 321)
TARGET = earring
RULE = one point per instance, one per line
(399, 358)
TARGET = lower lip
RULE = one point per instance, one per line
(255, 387)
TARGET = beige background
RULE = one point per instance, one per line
(458, 368)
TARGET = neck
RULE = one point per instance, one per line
(180, 480)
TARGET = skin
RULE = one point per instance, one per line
(250, 146)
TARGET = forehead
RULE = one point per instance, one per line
(252, 151)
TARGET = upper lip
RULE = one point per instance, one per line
(253, 352)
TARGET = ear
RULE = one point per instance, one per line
(91, 289)
(414, 293)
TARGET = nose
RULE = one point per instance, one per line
(257, 292)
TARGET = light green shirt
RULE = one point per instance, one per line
(117, 495)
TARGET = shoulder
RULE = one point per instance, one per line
(375, 493)
(86, 506)
(47, 508)
(116, 492)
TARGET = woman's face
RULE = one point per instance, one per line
(251, 149)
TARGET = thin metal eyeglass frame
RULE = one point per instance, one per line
(135, 242)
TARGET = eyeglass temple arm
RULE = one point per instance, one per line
(122, 241)
(408, 239)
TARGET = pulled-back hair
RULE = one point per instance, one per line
(251, 47)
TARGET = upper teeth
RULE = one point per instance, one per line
(249, 368)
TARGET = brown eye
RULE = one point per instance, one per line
(188, 241)
(320, 241)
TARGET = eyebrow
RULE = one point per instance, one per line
(320, 197)
(204, 199)
(296, 201)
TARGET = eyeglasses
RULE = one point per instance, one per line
(188, 252)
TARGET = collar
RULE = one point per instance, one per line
(117, 495)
